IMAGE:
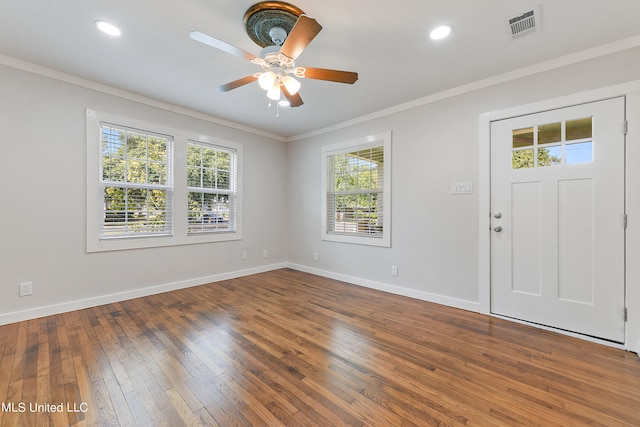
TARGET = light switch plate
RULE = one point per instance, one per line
(462, 188)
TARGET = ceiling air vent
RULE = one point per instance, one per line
(525, 23)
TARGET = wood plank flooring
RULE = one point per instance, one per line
(293, 349)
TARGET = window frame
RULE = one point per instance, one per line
(126, 184)
(378, 140)
(562, 141)
(230, 192)
(179, 234)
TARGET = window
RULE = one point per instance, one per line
(554, 144)
(150, 185)
(211, 177)
(356, 206)
(136, 182)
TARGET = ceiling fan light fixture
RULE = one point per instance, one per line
(292, 85)
(266, 80)
(283, 31)
(274, 91)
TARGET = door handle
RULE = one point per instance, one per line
(497, 229)
(497, 215)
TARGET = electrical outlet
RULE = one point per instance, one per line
(265, 253)
(316, 256)
(394, 270)
(26, 289)
(244, 254)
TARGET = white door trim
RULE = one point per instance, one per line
(632, 341)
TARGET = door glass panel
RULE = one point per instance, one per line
(550, 133)
(550, 156)
(581, 152)
(522, 159)
(522, 137)
(579, 129)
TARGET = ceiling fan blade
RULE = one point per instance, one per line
(219, 44)
(348, 77)
(304, 30)
(294, 100)
(236, 83)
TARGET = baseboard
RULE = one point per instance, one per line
(34, 313)
(393, 289)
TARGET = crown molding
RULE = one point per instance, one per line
(562, 61)
(129, 96)
(573, 58)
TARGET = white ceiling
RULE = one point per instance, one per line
(386, 42)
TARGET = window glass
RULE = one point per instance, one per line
(132, 188)
(522, 159)
(550, 156)
(581, 152)
(134, 180)
(356, 183)
(553, 146)
(550, 133)
(356, 189)
(579, 129)
(211, 196)
(522, 137)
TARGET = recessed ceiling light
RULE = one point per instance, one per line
(108, 28)
(440, 32)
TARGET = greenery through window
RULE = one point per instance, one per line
(136, 182)
(150, 185)
(553, 144)
(211, 188)
(355, 189)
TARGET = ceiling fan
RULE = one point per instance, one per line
(283, 31)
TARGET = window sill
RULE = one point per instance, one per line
(128, 243)
(383, 241)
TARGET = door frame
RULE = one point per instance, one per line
(632, 200)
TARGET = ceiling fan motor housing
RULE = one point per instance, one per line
(265, 16)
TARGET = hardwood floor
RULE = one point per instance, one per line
(289, 348)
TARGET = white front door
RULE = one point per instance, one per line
(558, 218)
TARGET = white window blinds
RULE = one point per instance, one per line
(211, 181)
(356, 185)
(355, 188)
(136, 182)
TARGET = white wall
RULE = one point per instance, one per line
(434, 234)
(43, 204)
(435, 240)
